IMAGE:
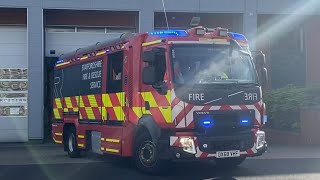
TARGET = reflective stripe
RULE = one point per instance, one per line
(80, 145)
(84, 57)
(81, 136)
(151, 43)
(65, 63)
(113, 140)
(100, 53)
(56, 141)
(58, 134)
(112, 150)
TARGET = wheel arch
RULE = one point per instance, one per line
(147, 123)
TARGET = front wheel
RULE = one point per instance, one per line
(229, 162)
(146, 156)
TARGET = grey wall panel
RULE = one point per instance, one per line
(66, 42)
(288, 6)
(13, 123)
(177, 5)
(13, 49)
(203, 6)
(12, 37)
(20, 3)
(35, 70)
(93, 4)
(223, 5)
(9, 135)
(13, 61)
(13, 54)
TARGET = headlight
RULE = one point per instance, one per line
(187, 144)
(260, 139)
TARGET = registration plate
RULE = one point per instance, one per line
(226, 154)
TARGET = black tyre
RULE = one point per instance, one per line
(229, 162)
(146, 156)
(71, 143)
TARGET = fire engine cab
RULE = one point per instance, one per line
(161, 96)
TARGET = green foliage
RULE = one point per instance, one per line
(284, 104)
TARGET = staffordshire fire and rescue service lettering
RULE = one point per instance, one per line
(92, 73)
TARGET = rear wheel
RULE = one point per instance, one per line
(229, 162)
(71, 143)
(146, 156)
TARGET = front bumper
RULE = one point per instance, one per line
(176, 150)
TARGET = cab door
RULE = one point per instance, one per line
(115, 95)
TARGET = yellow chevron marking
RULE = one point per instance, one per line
(75, 109)
(68, 102)
(151, 43)
(113, 140)
(104, 100)
(80, 115)
(56, 113)
(137, 111)
(92, 101)
(112, 150)
(58, 103)
(100, 110)
(144, 111)
(108, 101)
(80, 145)
(119, 113)
(147, 96)
(166, 113)
(81, 102)
(81, 136)
(104, 113)
(168, 97)
(121, 98)
(89, 113)
(58, 134)
(77, 100)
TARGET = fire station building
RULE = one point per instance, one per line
(34, 33)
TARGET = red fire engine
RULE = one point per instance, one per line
(161, 96)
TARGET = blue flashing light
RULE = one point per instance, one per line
(237, 36)
(169, 33)
(60, 61)
(244, 122)
(207, 122)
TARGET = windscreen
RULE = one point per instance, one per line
(208, 64)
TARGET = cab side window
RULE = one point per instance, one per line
(114, 73)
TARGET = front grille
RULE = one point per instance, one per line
(226, 130)
(224, 123)
(211, 145)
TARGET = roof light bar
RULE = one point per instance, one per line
(169, 33)
(237, 36)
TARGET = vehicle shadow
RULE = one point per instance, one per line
(175, 170)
